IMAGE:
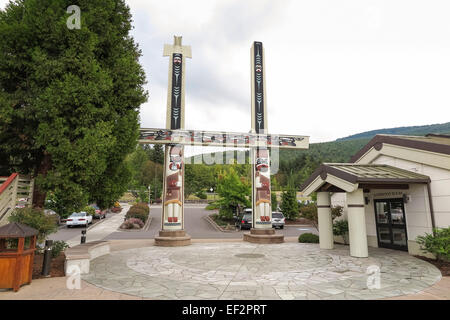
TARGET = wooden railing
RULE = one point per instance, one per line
(15, 190)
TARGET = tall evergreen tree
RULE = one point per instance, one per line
(69, 98)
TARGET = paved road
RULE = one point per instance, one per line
(197, 227)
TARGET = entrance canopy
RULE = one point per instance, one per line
(348, 177)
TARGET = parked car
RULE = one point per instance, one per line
(244, 221)
(79, 219)
(99, 214)
(278, 220)
(54, 215)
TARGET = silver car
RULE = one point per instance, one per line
(278, 220)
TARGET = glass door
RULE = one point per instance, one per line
(391, 224)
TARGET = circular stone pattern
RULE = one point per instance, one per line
(260, 271)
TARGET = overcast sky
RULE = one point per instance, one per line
(333, 68)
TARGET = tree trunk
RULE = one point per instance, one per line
(42, 169)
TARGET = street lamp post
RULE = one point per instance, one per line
(149, 196)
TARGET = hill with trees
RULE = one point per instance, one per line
(442, 128)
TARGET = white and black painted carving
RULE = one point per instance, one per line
(175, 115)
(259, 87)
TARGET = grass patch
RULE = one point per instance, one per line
(212, 206)
(221, 221)
(127, 197)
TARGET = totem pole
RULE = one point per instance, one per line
(172, 223)
(262, 210)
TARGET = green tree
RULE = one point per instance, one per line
(274, 201)
(157, 154)
(69, 99)
(289, 204)
(233, 192)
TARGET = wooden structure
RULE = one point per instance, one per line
(16, 191)
(175, 137)
(16, 262)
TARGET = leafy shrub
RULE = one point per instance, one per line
(340, 228)
(136, 212)
(437, 243)
(132, 223)
(201, 194)
(89, 210)
(37, 219)
(308, 238)
(58, 247)
(142, 205)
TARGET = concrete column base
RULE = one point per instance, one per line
(263, 236)
(172, 238)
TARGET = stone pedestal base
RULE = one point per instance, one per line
(263, 236)
(172, 238)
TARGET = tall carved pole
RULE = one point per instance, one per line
(262, 211)
(262, 231)
(172, 222)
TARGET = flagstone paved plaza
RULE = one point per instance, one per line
(243, 270)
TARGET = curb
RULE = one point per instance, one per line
(299, 225)
(216, 226)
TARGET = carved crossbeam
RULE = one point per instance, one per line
(222, 139)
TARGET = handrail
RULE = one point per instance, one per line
(7, 182)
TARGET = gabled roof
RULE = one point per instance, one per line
(437, 143)
(17, 230)
(348, 176)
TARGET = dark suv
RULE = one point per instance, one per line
(244, 221)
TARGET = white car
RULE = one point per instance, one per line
(278, 220)
(79, 219)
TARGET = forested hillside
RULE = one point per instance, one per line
(442, 128)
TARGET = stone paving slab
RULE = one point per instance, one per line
(244, 270)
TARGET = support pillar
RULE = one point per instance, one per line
(357, 224)
(326, 238)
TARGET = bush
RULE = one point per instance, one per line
(37, 219)
(132, 223)
(58, 247)
(201, 194)
(340, 228)
(89, 210)
(142, 205)
(437, 243)
(137, 212)
(308, 238)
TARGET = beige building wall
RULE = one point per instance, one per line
(440, 187)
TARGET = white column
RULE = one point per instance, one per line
(326, 239)
(357, 224)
